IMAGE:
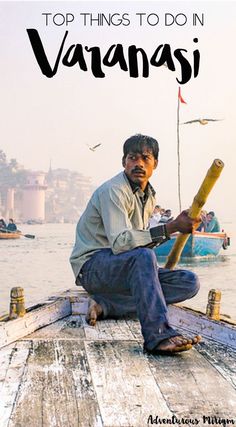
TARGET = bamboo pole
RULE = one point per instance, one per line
(195, 210)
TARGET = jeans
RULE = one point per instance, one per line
(132, 282)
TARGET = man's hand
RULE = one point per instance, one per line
(182, 223)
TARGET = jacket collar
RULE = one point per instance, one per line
(149, 190)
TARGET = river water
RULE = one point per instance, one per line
(41, 266)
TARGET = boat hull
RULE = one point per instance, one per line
(199, 244)
(9, 235)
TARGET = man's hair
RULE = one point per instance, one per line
(136, 144)
(211, 213)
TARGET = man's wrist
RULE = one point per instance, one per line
(159, 233)
(171, 227)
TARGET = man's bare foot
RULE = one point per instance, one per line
(94, 312)
(175, 345)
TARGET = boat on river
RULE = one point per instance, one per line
(199, 244)
(58, 371)
(10, 235)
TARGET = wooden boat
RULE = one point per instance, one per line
(9, 235)
(56, 370)
(199, 244)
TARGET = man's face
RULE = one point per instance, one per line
(139, 166)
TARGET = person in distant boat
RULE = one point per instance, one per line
(3, 225)
(212, 224)
(11, 226)
(156, 216)
(202, 225)
(112, 257)
(166, 217)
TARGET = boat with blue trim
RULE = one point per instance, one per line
(199, 244)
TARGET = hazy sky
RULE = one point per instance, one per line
(43, 119)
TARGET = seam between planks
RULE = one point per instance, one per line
(92, 380)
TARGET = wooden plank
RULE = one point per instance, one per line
(135, 328)
(56, 390)
(198, 323)
(223, 358)
(10, 385)
(108, 330)
(126, 390)
(70, 327)
(192, 386)
(12, 330)
(5, 358)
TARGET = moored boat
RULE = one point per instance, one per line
(199, 244)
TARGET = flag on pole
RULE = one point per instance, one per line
(180, 97)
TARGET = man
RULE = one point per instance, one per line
(112, 258)
(11, 226)
(156, 216)
(166, 217)
(2, 225)
(212, 224)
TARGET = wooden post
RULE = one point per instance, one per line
(213, 306)
(17, 303)
(195, 210)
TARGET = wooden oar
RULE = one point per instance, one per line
(29, 236)
(195, 210)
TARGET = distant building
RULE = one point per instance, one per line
(67, 195)
(57, 196)
(10, 203)
(33, 201)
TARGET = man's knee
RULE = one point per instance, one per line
(145, 255)
(192, 282)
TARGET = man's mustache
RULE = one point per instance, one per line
(138, 170)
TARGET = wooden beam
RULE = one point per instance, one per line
(68, 328)
(197, 323)
(75, 302)
(13, 330)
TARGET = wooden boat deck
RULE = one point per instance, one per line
(68, 374)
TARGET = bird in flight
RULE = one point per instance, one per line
(93, 148)
(201, 121)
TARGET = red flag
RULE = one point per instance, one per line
(180, 97)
